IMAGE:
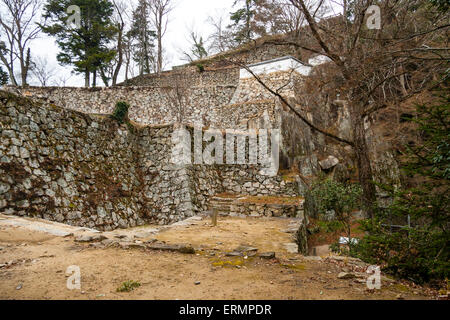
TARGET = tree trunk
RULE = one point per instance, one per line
(87, 78)
(159, 52)
(159, 64)
(25, 66)
(120, 56)
(104, 77)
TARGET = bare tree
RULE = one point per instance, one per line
(17, 22)
(178, 96)
(221, 39)
(61, 81)
(41, 70)
(160, 10)
(120, 10)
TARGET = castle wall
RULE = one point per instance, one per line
(147, 105)
(209, 77)
(87, 170)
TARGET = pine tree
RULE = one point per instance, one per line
(242, 21)
(3, 77)
(197, 50)
(86, 46)
(142, 38)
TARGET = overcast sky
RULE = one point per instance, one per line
(186, 14)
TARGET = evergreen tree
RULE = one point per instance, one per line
(142, 38)
(3, 77)
(197, 50)
(242, 21)
(256, 18)
(85, 46)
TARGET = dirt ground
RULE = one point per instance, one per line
(33, 266)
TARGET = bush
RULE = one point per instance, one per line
(200, 67)
(342, 198)
(121, 112)
(128, 286)
(330, 226)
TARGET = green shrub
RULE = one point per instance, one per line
(121, 112)
(200, 67)
(328, 194)
(128, 286)
(330, 226)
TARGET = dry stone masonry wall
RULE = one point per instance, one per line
(87, 170)
(148, 105)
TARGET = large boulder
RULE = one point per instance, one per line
(328, 163)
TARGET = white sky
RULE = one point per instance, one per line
(186, 14)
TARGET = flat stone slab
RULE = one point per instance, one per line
(312, 258)
(267, 255)
(182, 248)
(234, 254)
(186, 222)
(90, 238)
(52, 228)
(245, 249)
(346, 275)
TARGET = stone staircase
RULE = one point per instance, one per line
(223, 204)
(243, 205)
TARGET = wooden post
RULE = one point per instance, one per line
(214, 217)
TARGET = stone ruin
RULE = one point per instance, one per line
(63, 159)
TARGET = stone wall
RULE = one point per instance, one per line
(67, 166)
(244, 209)
(148, 105)
(261, 49)
(87, 170)
(283, 82)
(210, 77)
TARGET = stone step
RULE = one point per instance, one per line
(222, 202)
(220, 209)
(224, 199)
(234, 206)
